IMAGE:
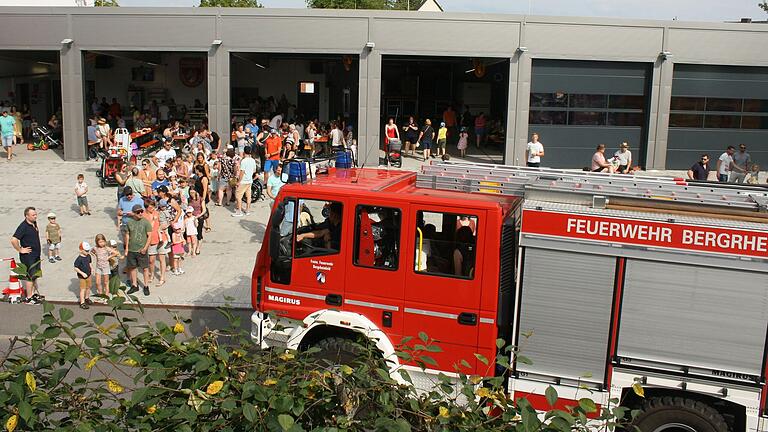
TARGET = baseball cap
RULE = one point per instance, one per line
(51, 215)
(85, 246)
(137, 207)
(230, 147)
(162, 203)
(273, 131)
(442, 124)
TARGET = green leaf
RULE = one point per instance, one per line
(551, 395)
(66, 314)
(434, 348)
(25, 410)
(523, 360)
(423, 336)
(500, 343)
(428, 360)
(285, 421)
(249, 411)
(588, 405)
(92, 342)
(51, 332)
(482, 359)
(47, 307)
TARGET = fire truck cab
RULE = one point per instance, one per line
(603, 281)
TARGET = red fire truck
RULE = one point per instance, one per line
(602, 280)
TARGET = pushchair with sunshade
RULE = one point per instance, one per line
(110, 164)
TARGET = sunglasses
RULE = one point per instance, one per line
(139, 212)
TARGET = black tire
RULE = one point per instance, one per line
(677, 414)
(337, 351)
(257, 190)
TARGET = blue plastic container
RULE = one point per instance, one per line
(344, 160)
(297, 172)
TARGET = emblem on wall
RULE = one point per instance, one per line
(191, 71)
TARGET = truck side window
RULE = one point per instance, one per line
(377, 237)
(318, 230)
(446, 244)
(281, 241)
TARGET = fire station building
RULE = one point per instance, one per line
(671, 89)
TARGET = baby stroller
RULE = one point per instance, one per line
(43, 139)
(394, 153)
(110, 164)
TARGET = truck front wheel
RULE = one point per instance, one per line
(677, 414)
(337, 351)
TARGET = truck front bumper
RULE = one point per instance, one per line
(268, 332)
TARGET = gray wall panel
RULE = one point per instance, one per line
(34, 31)
(463, 37)
(593, 41)
(295, 34)
(134, 32)
(686, 145)
(719, 46)
(573, 147)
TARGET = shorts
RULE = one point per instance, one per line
(137, 260)
(215, 185)
(178, 249)
(479, 131)
(82, 201)
(85, 283)
(242, 189)
(152, 249)
(533, 164)
(7, 141)
(162, 248)
(33, 266)
(441, 143)
(426, 145)
(271, 165)
(53, 246)
(223, 184)
(101, 271)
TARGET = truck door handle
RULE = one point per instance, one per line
(333, 299)
(386, 319)
(466, 318)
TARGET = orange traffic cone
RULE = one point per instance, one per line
(14, 290)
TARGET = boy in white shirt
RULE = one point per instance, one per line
(534, 151)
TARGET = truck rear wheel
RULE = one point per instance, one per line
(676, 414)
(337, 351)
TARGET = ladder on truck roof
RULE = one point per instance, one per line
(516, 181)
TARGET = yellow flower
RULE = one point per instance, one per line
(237, 353)
(114, 386)
(92, 363)
(130, 362)
(270, 382)
(30, 379)
(475, 379)
(482, 392)
(287, 356)
(10, 425)
(444, 412)
(345, 369)
(151, 409)
(214, 387)
(107, 329)
(178, 328)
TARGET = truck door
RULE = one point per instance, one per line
(376, 275)
(312, 230)
(442, 289)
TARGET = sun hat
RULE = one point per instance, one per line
(51, 215)
(85, 246)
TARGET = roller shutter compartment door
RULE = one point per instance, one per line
(694, 316)
(566, 306)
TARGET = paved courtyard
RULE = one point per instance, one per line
(44, 180)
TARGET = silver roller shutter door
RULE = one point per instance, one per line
(566, 303)
(694, 316)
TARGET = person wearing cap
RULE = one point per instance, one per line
(137, 238)
(53, 238)
(83, 271)
(624, 156)
(126, 204)
(442, 139)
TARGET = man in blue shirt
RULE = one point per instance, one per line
(125, 206)
(161, 181)
(252, 128)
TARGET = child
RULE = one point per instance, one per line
(114, 272)
(184, 191)
(83, 271)
(81, 189)
(462, 144)
(53, 237)
(190, 225)
(177, 248)
(442, 138)
(754, 174)
(103, 253)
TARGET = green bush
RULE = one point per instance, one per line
(114, 374)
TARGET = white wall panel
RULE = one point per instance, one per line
(719, 46)
(574, 41)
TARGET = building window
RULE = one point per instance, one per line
(587, 109)
(377, 237)
(446, 244)
(718, 113)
